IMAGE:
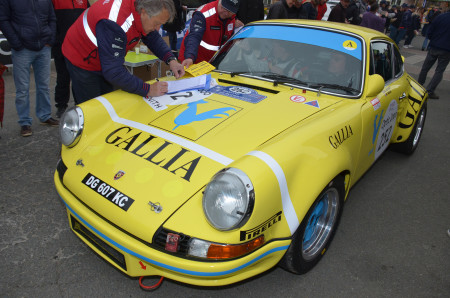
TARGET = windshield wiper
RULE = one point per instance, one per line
(236, 73)
(334, 86)
(280, 79)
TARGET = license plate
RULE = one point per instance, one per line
(108, 192)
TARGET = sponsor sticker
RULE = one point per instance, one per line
(298, 98)
(230, 27)
(313, 103)
(239, 92)
(350, 45)
(375, 103)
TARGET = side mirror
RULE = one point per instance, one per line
(375, 84)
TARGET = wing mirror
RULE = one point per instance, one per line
(375, 84)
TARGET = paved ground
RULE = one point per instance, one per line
(392, 240)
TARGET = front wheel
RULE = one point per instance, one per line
(317, 229)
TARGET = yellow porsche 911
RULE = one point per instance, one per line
(213, 186)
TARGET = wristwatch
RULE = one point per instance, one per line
(170, 59)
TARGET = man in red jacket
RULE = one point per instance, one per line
(67, 12)
(211, 26)
(96, 44)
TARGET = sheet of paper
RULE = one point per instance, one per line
(160, 103)
(188, 84)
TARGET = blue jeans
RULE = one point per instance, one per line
(443, 58)
(40, 61)
(400, 35)
(393, 32)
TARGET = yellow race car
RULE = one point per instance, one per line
(212, 186)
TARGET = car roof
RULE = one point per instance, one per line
(366, 33)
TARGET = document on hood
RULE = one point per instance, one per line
(195, 83)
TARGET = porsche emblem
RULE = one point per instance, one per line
(119, 175)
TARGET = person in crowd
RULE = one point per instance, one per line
(353, 13)
(249, 11)
(308, 10)
(413, 30)
(405, 24)
(31, 32)
(95, 60)
(175, 26)
(394, 28)
(371, 20)
(339, 13)
(430, 17)
(438, 34)
(211, 26)
(321, 9)
(280, 9)
(392, 11)
(67, 12)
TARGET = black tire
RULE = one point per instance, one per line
(315, 233)
(409, 146)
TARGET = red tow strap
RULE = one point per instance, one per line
(150, 288)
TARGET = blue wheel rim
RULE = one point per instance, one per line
(320, 224)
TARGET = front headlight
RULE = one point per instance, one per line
(71, 126)
(228, 199)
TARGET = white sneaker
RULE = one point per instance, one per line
(405, 46)
(410, 46)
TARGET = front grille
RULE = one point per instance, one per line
(160, 239)
(112, 253)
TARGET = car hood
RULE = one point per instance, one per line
(164, 157)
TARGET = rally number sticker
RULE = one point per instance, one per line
(108, 192)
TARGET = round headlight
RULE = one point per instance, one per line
(228, 199)
(71, 126)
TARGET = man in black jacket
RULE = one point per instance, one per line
(249, 11)
(67, 12)
(280, 9)
(30, 28)
(438, 34)
(339, 12)
(175, 26)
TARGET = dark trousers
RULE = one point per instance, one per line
(409, 37)
(443, 58)
(87, 84)
(62, 88)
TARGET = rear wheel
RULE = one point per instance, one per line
(409, 146)
(317, 229)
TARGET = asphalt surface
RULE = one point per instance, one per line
(392, 240)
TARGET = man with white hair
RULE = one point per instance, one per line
(211, 26)
(97, 43)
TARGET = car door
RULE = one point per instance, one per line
(380, 114)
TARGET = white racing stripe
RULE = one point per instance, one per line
(288, 207)
(165, 135)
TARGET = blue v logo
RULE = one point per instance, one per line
(190, 114)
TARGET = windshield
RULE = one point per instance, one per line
(321, 64)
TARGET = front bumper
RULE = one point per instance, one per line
(135, 258)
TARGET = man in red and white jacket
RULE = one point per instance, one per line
(211, 26)
(96, 45)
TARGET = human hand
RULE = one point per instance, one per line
(187, 62)
(176, 68)
(238, 23)
(157, 89)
